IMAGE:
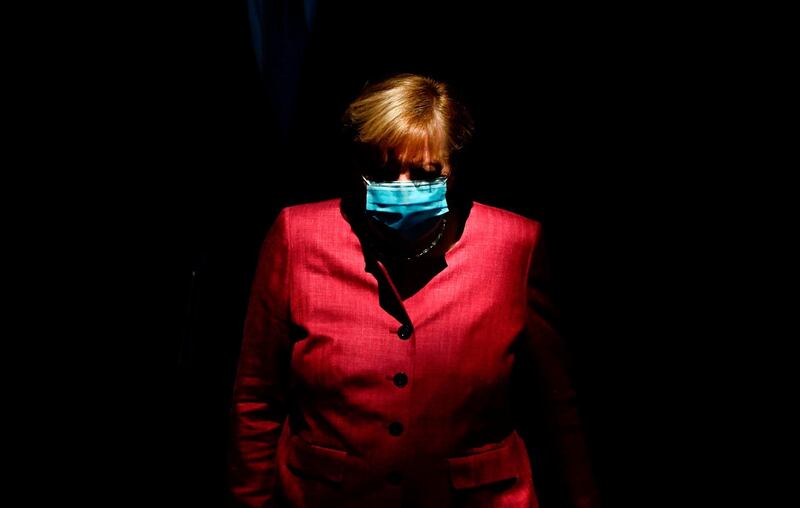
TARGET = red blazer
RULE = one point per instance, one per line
(337, 404)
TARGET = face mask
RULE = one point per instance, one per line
(404, 205)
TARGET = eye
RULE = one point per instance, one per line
(432, 172)
(382, 173)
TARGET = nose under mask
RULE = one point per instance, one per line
(406, 206)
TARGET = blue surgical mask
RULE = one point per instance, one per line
(402, 205)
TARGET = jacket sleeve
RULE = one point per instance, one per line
(547, 400)
(260, 388)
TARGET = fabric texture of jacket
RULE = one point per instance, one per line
(338, 403)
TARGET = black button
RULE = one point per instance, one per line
(400, 379)
(404, 331)
(395, 428)
(394, 477)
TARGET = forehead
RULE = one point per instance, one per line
(422, 150)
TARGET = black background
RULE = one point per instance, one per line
(588, 119)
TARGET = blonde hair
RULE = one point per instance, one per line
(407, 116)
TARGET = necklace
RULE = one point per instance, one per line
(416, 255)
(434, 242)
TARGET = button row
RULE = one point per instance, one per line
(400, 380)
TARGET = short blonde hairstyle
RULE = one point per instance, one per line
(406, 116)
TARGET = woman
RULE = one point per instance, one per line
(388, 332)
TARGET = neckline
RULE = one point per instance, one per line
(421, 250)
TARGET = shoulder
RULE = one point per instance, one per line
(310, 215)
(316, 211)
(504, 222)
(313, 222)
